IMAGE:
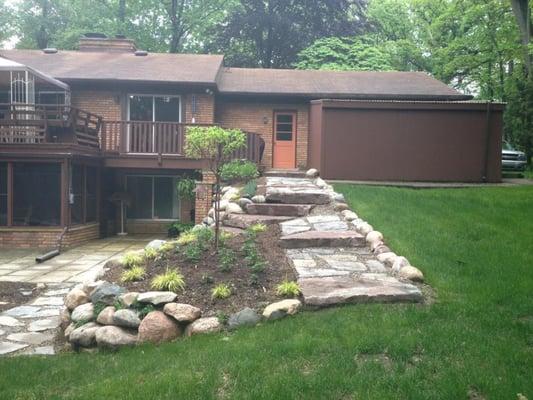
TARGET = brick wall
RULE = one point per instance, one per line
(205, 108)
(46, 238)
(250, 116)
(204, 196)
(102, 103)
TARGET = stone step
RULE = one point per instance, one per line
(285, 173)
(285, 210)
(323, 239)
(364, 288)
(243, 221)
(303, 196)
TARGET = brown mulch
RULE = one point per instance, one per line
(11, 294)
(202, 277)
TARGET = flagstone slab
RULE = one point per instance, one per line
(22, 311)
(6, 320)
(9, 347)
(321, 239)
(328, 291)
(33, 338)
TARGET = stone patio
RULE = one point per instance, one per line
(32, 328)
(72, 266)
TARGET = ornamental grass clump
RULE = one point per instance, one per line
(171, 280)
(132, 259)
(133, 274)
(288, 289)
(221, 291)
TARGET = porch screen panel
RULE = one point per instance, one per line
(91, 183)
(36, 194)
(140, 189)
(3, 194)
(76, 190)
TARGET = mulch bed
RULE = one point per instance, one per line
(203, 276)
(11, 294)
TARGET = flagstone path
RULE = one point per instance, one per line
(333, 262)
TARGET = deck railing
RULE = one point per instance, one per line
(147, 137)
(39, 123)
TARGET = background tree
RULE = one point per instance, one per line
(215, 145)
(270, 33)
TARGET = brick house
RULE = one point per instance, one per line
(80, 127)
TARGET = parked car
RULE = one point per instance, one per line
(512, 159)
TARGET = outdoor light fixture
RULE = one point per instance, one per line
(265, 120)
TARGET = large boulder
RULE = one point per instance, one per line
(85, 335)
(157, 327)
(245, 317)
(156, 298)
(349, 215)
(126, 318)
(281, 309)
(243, 202)
(182, 312)
(155, 244)
(75, 298)
(374, 236)
(234, 208)
(387, 258)
(106, 316)
(380, 249)
(411, 273)
(399, 263)
(128, 298)
(106, 293)
(84, 312)
(311, 173)
(231, 194)
(258, 198)
(113, 336)
(203, 325)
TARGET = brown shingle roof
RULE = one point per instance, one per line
(335, 84)
(155, 67)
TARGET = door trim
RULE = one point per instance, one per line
(295, 121)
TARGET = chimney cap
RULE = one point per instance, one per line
(141, 53)
(50, 50)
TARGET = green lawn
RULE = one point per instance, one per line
(475, 247)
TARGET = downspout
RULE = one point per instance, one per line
(487, 142)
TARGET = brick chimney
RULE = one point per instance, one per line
(100, 42)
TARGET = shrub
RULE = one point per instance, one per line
(133, 274)
(226, 258)
(186, 238)
(193, 252)
(257, 228)
(171, 280)
(239, 170)
(132, 259)
(250, 188)
(221, 291)
(142, 308)
(177, 228)
(185, 188)
(288, 289)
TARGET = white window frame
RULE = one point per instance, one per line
(176, 207)
(153, 96)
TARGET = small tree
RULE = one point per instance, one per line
(215, 145)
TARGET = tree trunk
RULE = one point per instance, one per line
(121, 16)
(523, 18)
(42, 34)
(175, 14)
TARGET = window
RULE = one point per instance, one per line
(36, 194)
(152, 197)
(3, 194)
(284, 127)
(154, 108)
(51, 98)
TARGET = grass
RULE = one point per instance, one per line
(474, 247)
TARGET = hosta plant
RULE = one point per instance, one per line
(288, 289)
(221, 291)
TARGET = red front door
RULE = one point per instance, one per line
(284, 141)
